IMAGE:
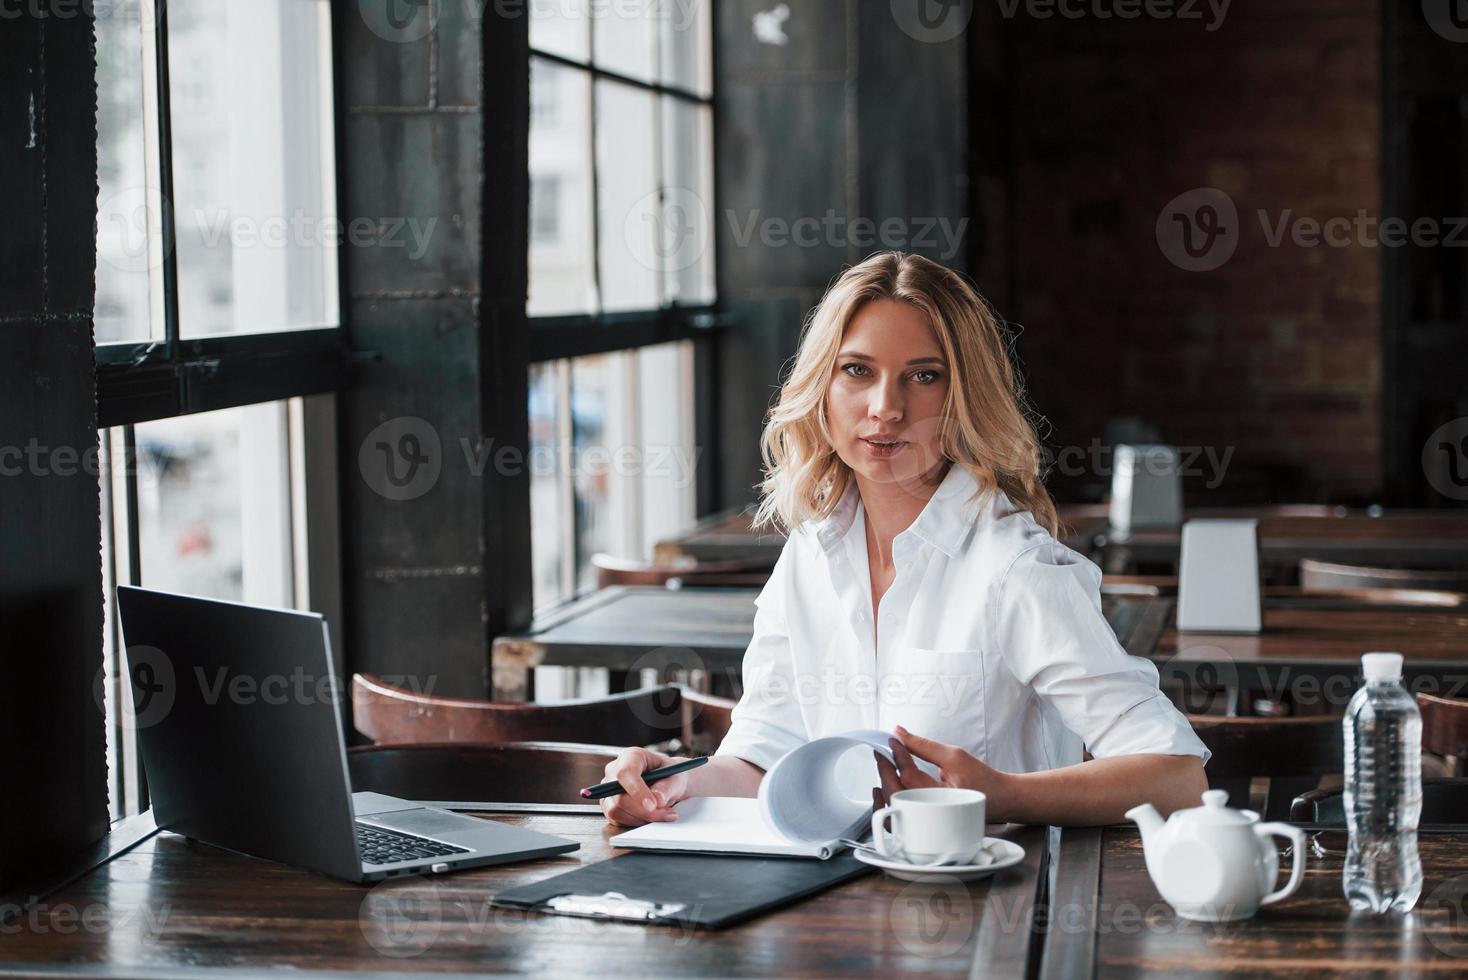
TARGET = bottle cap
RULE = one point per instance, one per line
(1382, 666)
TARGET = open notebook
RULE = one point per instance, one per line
(802, 809)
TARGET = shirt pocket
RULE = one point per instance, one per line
(938, 694)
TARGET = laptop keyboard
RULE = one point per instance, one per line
(379, 846)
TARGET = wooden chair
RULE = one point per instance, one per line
(518, 772)
(706, 720)
(1445, 731)
(1316, 575)
(1292, 753)
(390, 714)
(680, 574)
(1444, 801)
(652, 716)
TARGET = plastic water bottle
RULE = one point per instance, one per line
(1383, 750)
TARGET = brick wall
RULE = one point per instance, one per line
(1277, 351)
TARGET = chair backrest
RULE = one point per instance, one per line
(1330, 575)
(389, 714)
(690, 574)
(1444, 801)
(1292, 753)
(1445, 729)
(706, 720)
(518, 772)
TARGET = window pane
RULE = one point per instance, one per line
(687, 249)
(214, 504)
(606, 476)
(253, 177)
(667, 454)
(627, 197)
(589, 382)
(127, 210)
(561, 274)
(560, 27)
(685, 45)
(624, 35)
(551, 516)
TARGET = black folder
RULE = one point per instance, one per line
(694, 891)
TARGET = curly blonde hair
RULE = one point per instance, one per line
(985, 427)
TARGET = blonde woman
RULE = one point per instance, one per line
(921, 590)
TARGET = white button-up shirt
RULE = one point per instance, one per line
(990, 637)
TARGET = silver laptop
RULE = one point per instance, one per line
(237, 711)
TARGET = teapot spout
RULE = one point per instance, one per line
(1147, 819)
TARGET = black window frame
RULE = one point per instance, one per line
(142, 381)
(559, 336)
(145, 381)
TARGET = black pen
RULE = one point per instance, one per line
(602, 790)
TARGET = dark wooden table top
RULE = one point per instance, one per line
(1423, 539)
(169, 905)
(1303, 640)
(1109, 921)
(1414, 539)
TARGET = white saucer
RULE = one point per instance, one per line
(1009, 854)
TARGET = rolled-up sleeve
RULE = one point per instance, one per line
(1054, 636)
(767, 722)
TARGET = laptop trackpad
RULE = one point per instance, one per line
(423, 821)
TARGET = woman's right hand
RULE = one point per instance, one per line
(638, 803)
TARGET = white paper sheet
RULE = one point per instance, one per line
(801, 811)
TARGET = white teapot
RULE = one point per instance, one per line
(1214, 864)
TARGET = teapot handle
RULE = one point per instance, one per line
(1297, 852)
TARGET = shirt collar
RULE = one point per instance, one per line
(944, 522)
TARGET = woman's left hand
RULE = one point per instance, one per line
(956, 767)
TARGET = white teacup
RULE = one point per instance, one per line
(934, 826)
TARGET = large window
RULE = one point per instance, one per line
(621, 275)
(217, 305)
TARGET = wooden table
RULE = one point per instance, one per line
(631, 627)
(1107, 920)
(1309, 650)
(1411, 539)
(634, 627)
(168, 907)
(1416, 539)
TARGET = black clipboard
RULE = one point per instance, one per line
(694, 891)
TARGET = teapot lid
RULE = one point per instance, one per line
(1215, 811)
